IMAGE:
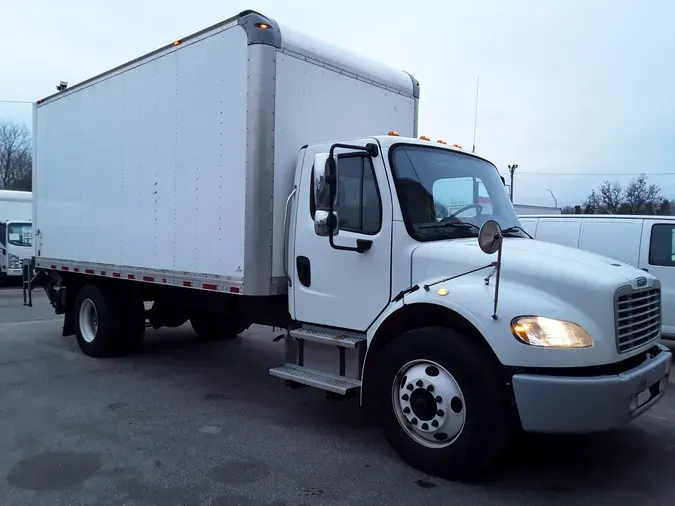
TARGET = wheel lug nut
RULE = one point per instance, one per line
(434, 423)
(414, 421)
(405, 397)
(440, 412)
(409, 387)
(419, 383)
(406, 410)
(438, 399)
(430, 388)
(425, 426)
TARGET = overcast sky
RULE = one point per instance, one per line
(566, 86)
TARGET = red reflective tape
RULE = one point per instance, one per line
(148, 278)
(163, 280)
(64, 268)
(234, 289)
(76, 269)
(131, 276)
(116, 275)
(52, 266)
(89, 271)
(209, 286)
(187, 283)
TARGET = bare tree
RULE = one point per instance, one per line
(592, 204)
(610, 196)
(642, 197)
(15, 156)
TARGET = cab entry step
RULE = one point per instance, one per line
(317, 379)
(329, 336)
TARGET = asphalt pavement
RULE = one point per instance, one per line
(188, 423)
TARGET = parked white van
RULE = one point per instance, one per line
(646, 242)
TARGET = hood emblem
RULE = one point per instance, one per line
(641, 282)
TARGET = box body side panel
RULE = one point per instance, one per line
(146, 168)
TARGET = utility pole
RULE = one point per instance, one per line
(512, 170)
(475, 116)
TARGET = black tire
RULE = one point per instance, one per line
(487, 423)
(108, 339)
(134, 322)
(213, 326)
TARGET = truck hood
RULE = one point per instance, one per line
(524, 260)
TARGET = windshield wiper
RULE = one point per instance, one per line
(514, 229)
(450, 224)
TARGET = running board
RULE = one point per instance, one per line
(333, 337)
(318, 379)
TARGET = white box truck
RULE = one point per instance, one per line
(16, 232)
(248, 174)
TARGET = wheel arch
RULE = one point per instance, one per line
(409, 317)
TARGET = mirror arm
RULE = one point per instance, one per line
(427, 287)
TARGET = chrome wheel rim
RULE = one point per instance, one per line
(428, 403)
(88, 320)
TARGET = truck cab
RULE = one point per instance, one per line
(399, 296)
(16, 244)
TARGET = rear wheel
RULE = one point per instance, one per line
(441, 402)
(212, 326)
(98, 325)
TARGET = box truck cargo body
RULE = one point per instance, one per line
(16, 232)
(248, 174)
(199, 140)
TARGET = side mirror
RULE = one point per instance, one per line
(325, 178)
(490, 237)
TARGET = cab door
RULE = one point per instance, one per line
(657, 256)
(335, 285)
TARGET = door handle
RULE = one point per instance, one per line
(304, 270)
(646, 270)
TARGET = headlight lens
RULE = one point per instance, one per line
(550, 333)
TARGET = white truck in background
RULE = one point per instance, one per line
(249, 174)
(16, 232)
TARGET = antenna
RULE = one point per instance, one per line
(475, 116)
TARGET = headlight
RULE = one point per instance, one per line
(14, 262)
(549, 333)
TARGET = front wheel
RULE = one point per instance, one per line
(441, 402)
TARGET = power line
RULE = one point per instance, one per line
(15, 102)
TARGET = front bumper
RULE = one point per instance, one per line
(566, 404)
(14, 272)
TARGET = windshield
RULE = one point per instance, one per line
(20, 234)
(445, 194)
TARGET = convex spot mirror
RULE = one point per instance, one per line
(325, 177)
(490, 237)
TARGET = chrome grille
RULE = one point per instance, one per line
(637, 317)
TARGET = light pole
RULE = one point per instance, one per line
(554, 199)
(512, 170)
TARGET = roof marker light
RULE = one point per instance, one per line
(393, 132)
(441, 141)
(424, 138)
(457, 146)
(263, 26)
(177, 42)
